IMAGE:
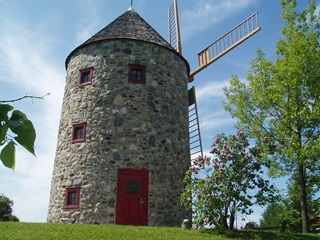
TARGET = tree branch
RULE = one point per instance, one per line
(26, 96)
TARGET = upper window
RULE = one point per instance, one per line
(72, 197)
(85, 76)
(79, 132)
(137, 73)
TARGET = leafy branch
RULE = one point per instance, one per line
(21, 132)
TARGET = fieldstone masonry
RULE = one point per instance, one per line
(129, 125)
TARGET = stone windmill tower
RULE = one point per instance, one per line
(123, 141)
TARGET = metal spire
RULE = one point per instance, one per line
(131, 6)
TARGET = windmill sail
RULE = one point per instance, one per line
(227, 42)
(174, 29)
(194, 127)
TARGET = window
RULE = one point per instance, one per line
(137, 73)
(72, 198)
(79, 132)
(85, 76)
(132, 187)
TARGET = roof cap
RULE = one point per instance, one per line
(130, 25)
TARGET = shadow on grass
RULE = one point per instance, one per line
(262, 235)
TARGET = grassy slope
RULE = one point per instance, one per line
(10, 230)
(43, 231)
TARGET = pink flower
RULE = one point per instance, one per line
(213, 149)
(265, 139)
(223, 153)
(256, 165)
(217, 139)
(197, 227)
(208, 162)
(226, 147)
(194, 169)
(239, 133)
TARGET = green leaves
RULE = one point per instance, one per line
(4, 109)
(228, 182)
(3, 133)
(8, 155)
(26, 135)
(281, 99)
(23, 130)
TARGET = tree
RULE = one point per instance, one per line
(6, 209)
(229, 182)
(292, 211)
(23, 130)
(281, 99)
(272, 215)
(288, 209)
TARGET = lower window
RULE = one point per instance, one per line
(78, 132)
(72, 198)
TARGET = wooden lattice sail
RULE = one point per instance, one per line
(227, 42)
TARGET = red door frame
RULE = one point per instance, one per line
(132, 197)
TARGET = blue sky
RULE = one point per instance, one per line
(36, 36)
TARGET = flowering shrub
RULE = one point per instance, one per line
(251, 225)
(228, 182)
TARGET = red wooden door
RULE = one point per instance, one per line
(132, 197)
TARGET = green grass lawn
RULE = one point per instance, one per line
(43, 231)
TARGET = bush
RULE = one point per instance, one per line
(6, 210)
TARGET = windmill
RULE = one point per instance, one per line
(126, 163)
(206, 57)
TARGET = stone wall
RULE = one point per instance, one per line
(129, 125)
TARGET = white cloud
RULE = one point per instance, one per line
(214, 89)
(210, 12)
(89, 22)
(317, 12)
(27, 65)
(211, 90)
(213, 118)
(216, 121)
